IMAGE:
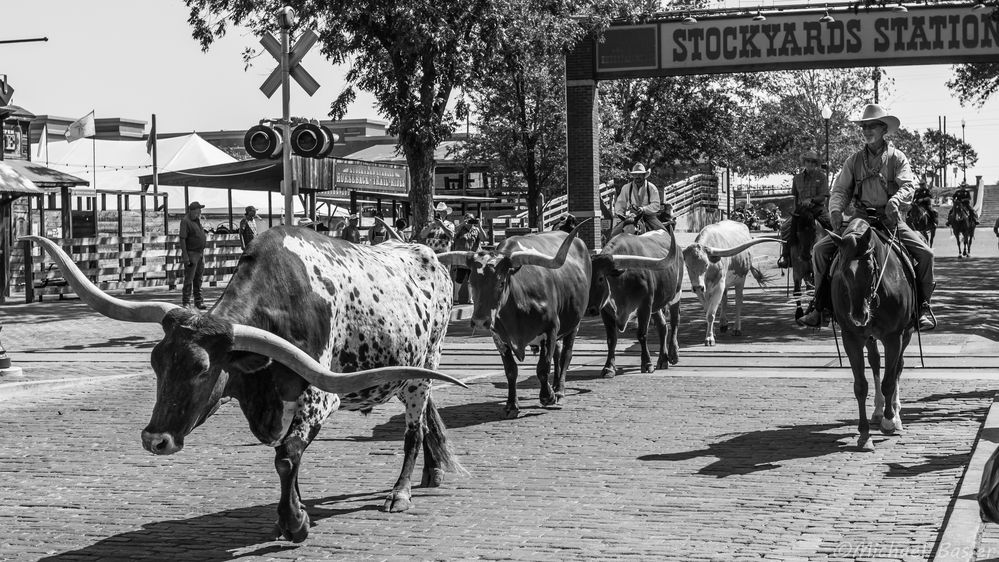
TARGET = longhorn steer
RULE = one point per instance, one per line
(638, 274)
(716, 261)
(300, 307)
(521, 293)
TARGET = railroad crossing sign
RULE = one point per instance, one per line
(295, 56)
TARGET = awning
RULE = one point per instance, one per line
(254, 175)
(14, 185)
(43, 176)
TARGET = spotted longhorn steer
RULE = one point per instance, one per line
(640, 274)
(718, 259)
(301, 309)
(529, 287)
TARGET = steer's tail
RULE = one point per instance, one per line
(436, 444)
(761, 278)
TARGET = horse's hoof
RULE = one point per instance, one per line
(547, 401)
(865, 443)
(662, 363)
(298, 534)
(397, 502)
(876, 420)
(608, 372)
(891, 427)
(736, 332)
(673, 357)
(511, 413)
(723, 328)
(647, 367)
(709, 342)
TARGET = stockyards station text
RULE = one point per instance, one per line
(913, 34)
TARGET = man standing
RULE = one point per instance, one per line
(810, 193)
(192, 254)
(639, 199)
(351, 232)
(248, 226)
(879, 177)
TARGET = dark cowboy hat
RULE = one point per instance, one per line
(806, 156)
(195, 205)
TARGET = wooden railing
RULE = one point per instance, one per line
(120, 262)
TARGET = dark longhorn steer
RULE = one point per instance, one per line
(528, 287)
(301, 309)
(640, 274)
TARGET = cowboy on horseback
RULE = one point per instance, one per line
(810, 191)
(877, 177)
(638, 201)
(924, 198)
(962, 197)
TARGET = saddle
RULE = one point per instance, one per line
(906, 259)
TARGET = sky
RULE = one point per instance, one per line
(134, 58)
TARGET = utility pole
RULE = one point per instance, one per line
(964, 156)
(286, 19)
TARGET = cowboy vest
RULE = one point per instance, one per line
(870, 186)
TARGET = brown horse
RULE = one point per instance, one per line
(801, 252)
(921, 219)
(964, 229)
(873, 299)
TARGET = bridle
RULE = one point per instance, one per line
(879, 270)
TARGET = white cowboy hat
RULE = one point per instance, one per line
(442, 207)
(874, 112)
(639, 170)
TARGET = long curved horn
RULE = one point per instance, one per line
(126, 311)
(248, 338)
(393, 234)
(534, 257)
(459, 257)
(729, 252)
(630, 261)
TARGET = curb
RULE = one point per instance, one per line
(962, 525)
(17, 389)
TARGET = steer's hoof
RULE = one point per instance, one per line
(662, 363)
(547, 401)
(891, 426)
(647, 367)
(298, 534)
(511, 413)
(396, 502)
(432, 478)
(736, 332)
(723, 328)
(865, 443)
(709, 342)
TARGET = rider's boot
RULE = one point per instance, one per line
(817, 314)
(927, 320)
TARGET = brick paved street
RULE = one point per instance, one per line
(743, 451)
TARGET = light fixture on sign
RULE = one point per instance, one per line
(759, 16)
(689, 20)
(899, 8)
(978, 6)
(827, 18)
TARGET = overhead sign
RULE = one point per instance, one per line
(295, 56)
(785, 41)
(371, 177)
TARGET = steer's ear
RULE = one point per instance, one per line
(248, 362)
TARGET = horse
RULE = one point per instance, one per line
(873, 298)
(920, 219)
(964, 229)
(804, 238)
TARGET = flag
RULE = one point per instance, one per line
(43, 140)
(151, 141)
(81, 128)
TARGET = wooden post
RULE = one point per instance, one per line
(29, 284)
(142, 212)
(120, 229)
(166, 214)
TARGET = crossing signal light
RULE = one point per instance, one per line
(263, 141)
(312, 140)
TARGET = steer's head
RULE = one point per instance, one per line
(602, 270)
(696, 260)
(491, 273)
(198, 348)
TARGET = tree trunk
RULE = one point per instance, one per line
(420, 159)
(531, 175)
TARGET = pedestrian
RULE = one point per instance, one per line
(437, 237)
(351, 232)
(879, 177)
(248, 226)
(402, 227)
(810, 192)
(379, 232)
(467, 237)
(192, 254)
(441, 213)
(639, 200)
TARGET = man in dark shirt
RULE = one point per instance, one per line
(192, 254)
(248, 226)
(351, 232)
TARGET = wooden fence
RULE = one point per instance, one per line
(120, 262)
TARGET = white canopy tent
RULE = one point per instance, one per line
(117, 165)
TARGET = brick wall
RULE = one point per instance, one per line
(583, 142)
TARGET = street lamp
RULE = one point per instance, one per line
(826, 115)
(964, 155)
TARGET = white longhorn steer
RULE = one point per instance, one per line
(718, 259)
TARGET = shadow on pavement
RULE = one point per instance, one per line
(932, 464)
(216, 536)
(763, 450)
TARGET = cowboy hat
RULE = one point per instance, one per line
(195, 205)
(639, 170)
(441, 207)
(874, 112)
(251, 208)
(806, 156)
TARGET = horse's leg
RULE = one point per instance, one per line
(853, 343)
(874, 359)
(892, 422)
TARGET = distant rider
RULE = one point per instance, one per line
(811, 191)
(639, 199)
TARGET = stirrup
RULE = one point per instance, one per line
(929, 316)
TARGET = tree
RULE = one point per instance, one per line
(945, 151)
(412, 55)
